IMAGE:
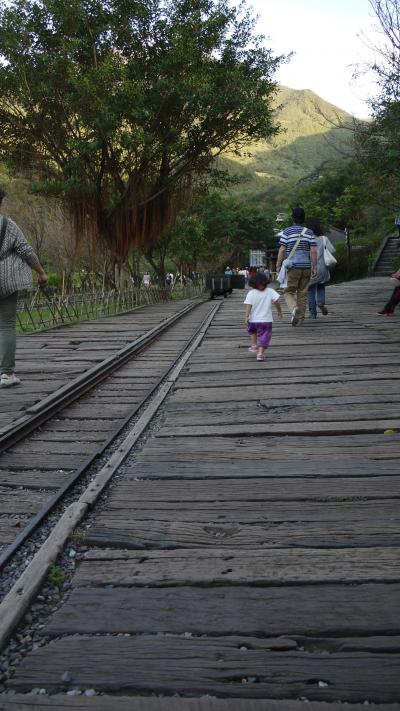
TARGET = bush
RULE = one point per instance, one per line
(359, 263)
(54, 279)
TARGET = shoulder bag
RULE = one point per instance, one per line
(329, 259)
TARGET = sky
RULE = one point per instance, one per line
(326, 36)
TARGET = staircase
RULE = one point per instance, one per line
(389, 251)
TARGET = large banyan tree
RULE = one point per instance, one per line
(118, 106)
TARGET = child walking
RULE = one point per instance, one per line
(258, 316)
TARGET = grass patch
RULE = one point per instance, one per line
(56, 577)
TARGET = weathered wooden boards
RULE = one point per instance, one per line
(251, 549)
(260, 566)
(234, 666)
(237, 609)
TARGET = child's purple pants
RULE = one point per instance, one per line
(263, 331)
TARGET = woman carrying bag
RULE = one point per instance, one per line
(316, 288)
(17, 259)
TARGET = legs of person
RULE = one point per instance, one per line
(252, 331)
(264, 335)
(396, 297)
(8, 317)
(312, 304)
(321, 299)
(392, 303)
(302, 290)
(290, 292)
(321, 294)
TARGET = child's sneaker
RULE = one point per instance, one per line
(9, 379)
(253, 349)
(261, 357)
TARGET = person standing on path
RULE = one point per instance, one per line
(303, 264)
(18, 259)
(258, 316)
(316, 289)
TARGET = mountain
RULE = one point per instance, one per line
(314, 134)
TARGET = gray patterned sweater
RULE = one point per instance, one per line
(15, 274)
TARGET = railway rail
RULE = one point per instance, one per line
(183, 325)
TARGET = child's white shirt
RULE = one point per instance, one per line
(261, 302)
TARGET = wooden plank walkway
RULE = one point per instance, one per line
(250, 550)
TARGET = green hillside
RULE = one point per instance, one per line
(309, 141)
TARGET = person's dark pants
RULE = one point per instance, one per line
(315, 295)
(393, 301)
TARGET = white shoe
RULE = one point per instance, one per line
(9, 379)
(295, 316)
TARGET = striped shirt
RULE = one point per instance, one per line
(301, 257)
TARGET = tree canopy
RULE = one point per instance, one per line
(379, 140)
(119, 106)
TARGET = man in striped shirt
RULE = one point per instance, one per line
(303, 264)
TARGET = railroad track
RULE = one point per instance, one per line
(93, 410)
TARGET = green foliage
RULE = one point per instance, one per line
(119, 107)
(379, 141)
(56, 576)
(227, 229)
(343, 197)
(356, 268)
(188, 243)
(333, 197)
(54, 279)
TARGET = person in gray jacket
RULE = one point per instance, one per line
(316, 287)
(16, 274)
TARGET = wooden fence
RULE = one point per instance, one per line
(41, 309)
